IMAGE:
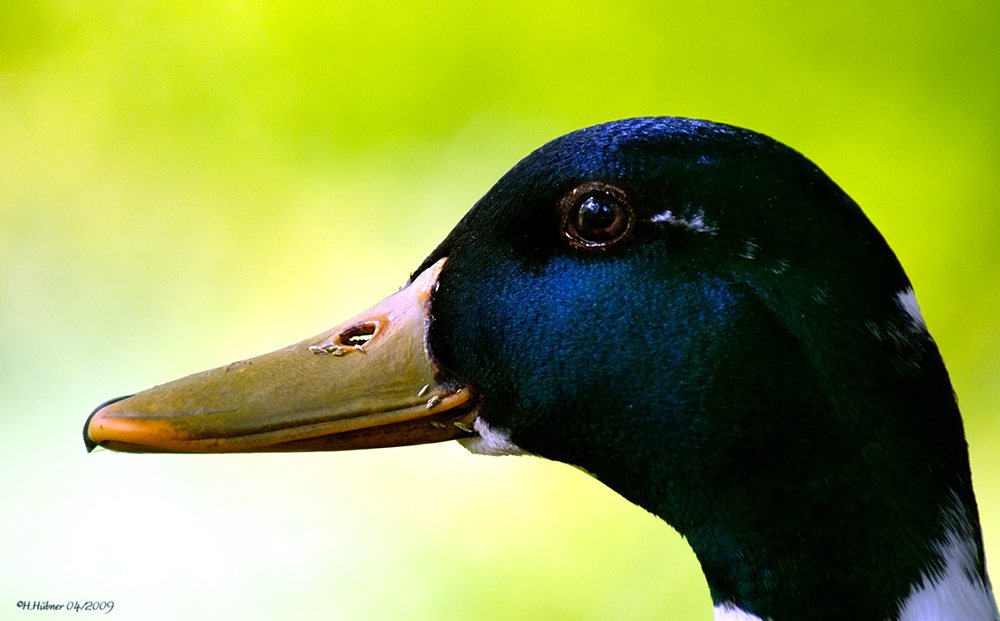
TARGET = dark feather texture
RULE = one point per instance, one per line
(741, 364)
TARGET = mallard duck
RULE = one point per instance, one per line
(694, 314)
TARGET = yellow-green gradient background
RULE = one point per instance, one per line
(185, 183)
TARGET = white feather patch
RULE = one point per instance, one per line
(907, 300)
(729, 612)
(490, 441)
(956, 592)
(696, 223)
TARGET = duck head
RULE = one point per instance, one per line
(693, 313)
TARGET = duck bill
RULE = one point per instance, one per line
(368, 382)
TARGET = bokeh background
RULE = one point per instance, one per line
(184, 183)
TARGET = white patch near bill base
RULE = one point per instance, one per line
(907, 300)
(728, 612)
(490, 441)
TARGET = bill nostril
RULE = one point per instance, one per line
(357, 336)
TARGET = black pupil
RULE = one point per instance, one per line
(599, 218)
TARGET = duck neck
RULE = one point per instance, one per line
(834, 571)
(822, 522)
(832, 485)
(814, 487)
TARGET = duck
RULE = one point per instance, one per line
(694, 314)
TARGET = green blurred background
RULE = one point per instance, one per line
(185, 183)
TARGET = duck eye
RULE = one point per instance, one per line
(595, 215)
(599, 218)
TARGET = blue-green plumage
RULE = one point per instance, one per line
(752, 379)
(699, 317)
